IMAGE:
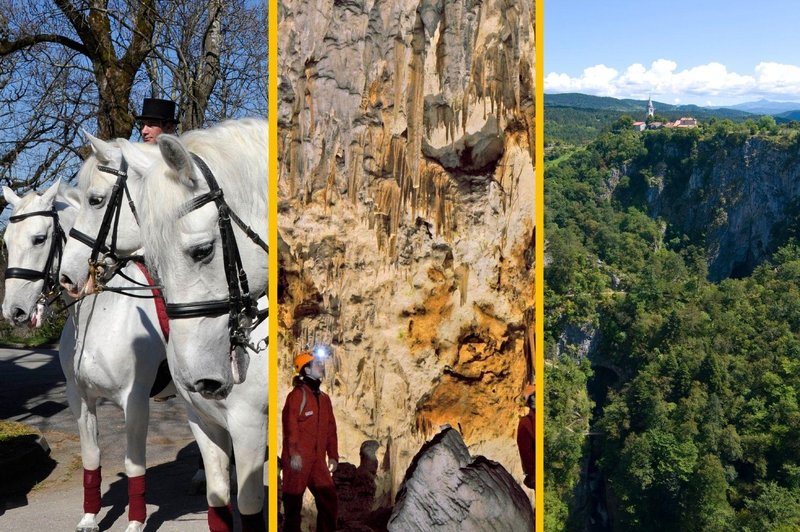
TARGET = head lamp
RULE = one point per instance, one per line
(321, 351)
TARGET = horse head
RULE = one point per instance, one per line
(184, 241)
(99, 181)
(33, 240)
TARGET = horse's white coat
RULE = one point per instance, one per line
(111, 345)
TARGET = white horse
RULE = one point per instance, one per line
(224, 418)
(111, 346)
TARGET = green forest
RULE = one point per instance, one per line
(671, 400)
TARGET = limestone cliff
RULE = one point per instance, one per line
(406, 217)
(734, 199)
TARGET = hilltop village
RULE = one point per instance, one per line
(651, 123)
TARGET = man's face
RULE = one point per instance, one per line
(316, 370)
(151, 129)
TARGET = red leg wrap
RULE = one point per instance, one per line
(254, 523)
(220, 519)
(137, 511)
(91, 491)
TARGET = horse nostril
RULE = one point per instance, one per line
(19, 315)
(65, 281)
(207, 386)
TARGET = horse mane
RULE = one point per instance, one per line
(236, 152)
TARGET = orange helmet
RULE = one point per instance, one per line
(528, 391)
(301, 360)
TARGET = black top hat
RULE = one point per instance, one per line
(157, 109)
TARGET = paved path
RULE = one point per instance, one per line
(32, 391)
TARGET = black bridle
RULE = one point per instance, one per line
(243, 316)
(56, 251)
(102, 268)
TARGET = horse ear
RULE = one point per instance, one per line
(49, 195)
(100, 148)
(177, 158)
(10, 196)
(137, 159)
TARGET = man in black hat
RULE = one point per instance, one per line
(158, 116)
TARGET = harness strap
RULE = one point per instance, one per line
(177, 311)
(161, 309)
(20, 217)
(85, 239)
(112, 207)
(25, 274)
(303, 402)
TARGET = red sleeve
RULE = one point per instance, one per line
(290, 426)
(527, 445)
(333, 440)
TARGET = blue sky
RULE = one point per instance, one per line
(706, 52)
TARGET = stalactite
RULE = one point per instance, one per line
(387, 215)
(416, 103)
(356, 168)
(296, 142)
(462, 276)
(399, 75)
(309, 88)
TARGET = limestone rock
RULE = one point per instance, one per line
(406, 217)
(737, 200)
(445, 489)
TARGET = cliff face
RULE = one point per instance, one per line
(736, 200)
(406, 217)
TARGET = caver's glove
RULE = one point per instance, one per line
(296, 462)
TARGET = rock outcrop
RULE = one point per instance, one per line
(734, 201)
(406, 218)
(446, 489)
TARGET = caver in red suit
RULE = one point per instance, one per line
(526, 440)
(309, 434)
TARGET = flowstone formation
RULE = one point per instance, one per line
(406, 218)
(448, 490)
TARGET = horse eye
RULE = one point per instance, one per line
(94, 201)
(201, 252)
(38, 240)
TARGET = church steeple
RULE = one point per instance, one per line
(651, 111)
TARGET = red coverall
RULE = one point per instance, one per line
(310, 433)
(527, 445)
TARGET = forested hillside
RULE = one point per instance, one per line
(672, 399)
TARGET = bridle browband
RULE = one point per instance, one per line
(56, 251)
(243, 315)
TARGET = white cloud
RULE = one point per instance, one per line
(778, 78)
(596, 80)
(711, 82)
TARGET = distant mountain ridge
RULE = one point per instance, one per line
(638, 108)
(768, 107)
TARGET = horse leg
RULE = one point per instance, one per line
(215, 449)
(137, 417)
(86, 410)
(250, 444)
